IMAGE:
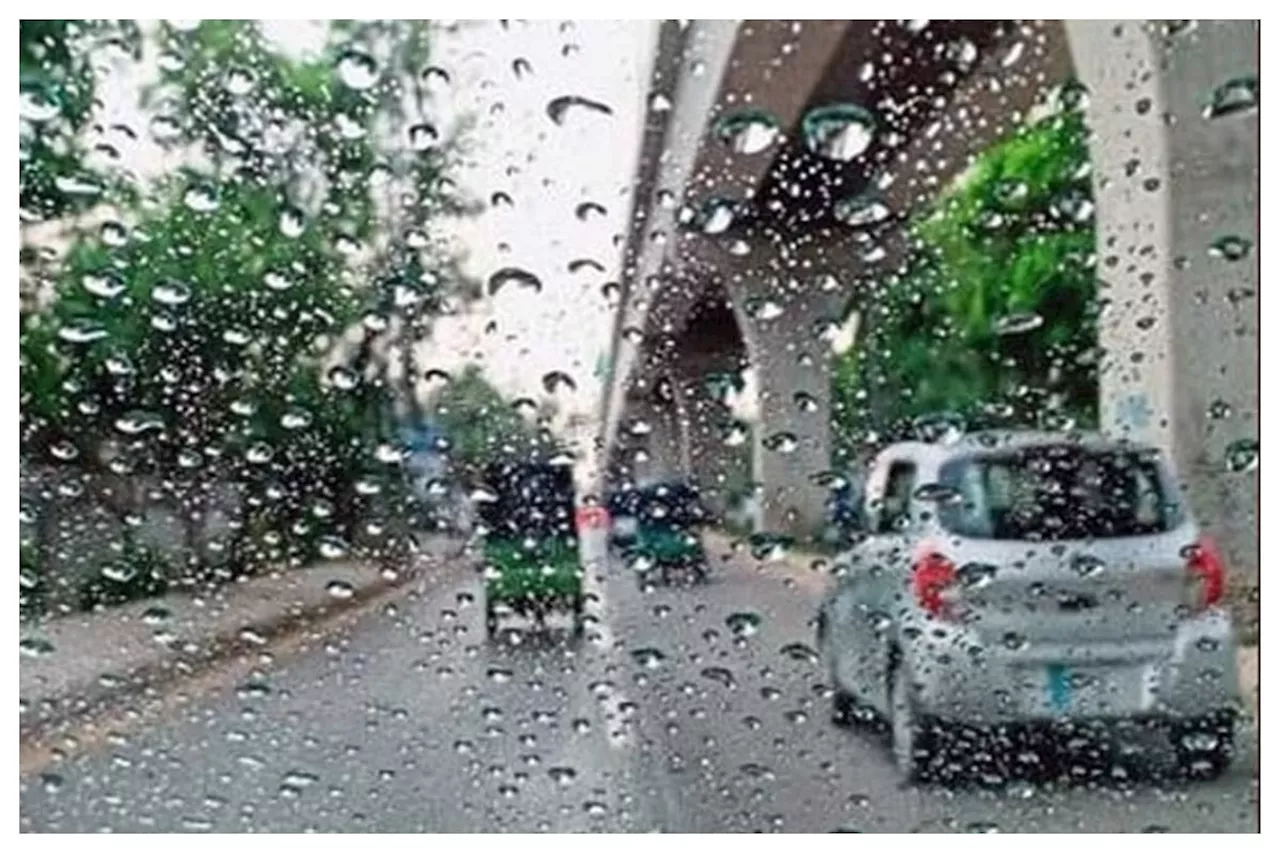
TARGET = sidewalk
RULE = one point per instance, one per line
(798, 566)
(73, 663)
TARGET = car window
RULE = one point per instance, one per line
(1058, 493)
(895, 512)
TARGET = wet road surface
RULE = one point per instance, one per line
(682, 710)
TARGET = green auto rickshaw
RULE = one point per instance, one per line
(668, 534)
(531, 561)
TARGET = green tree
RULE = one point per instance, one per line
(994, 320)
(196, 343)
(481, 426)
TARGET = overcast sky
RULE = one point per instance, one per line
(546, 169)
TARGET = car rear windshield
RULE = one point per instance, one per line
(1056, 493)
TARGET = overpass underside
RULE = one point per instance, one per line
(765, 213)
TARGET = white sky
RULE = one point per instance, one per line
(590, 157)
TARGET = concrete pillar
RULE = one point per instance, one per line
(1176, 187)
(792, 438)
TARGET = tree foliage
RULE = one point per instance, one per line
(482, 426)
(235, 325)
(994, 320)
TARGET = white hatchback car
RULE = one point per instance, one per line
(1007, 581)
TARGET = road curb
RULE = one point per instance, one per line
(91, 698)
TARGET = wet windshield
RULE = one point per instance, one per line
(517, 425)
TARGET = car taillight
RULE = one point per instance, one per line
(1206, 574)
(931, 576)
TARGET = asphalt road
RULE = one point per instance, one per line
(682, 710)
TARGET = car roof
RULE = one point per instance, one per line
(996, 440)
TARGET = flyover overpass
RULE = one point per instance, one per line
(780, 161)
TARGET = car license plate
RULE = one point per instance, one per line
(1097, 690)
(1058, 688)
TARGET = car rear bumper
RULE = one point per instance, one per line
(1191, 674)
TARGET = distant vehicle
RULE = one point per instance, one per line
(531, 548)
(1014, 580)
(623, 509)
(844, 510)
(667, 540)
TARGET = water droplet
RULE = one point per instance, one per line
(514, 275)
(765, 309)
(521, 67)
(201, 198)
(800, 652)
(861, 211)
(748, 131)
(113, 234)
(1230, 248)
(1219, 410)
(1017, 324)
(942, 427)
(82, 332)
(435, 78)
(357, 70)
(64, 451)
(119, 572)
(721, 676)
(422, 136)
(838, 131)
(556, 379)
(588, 209)
(558, 108)
(976, 575)
(781, 442)
(240, 81)
(649, 658)
(1242, 455)
(585, 264)
(1013, 55)
(805, 401)
(164, 128)
(340, 589)
(1013, 641)
(36, 106)
(73, 185)
(171, 293)
(139, 421)
(259, 453)
(105, 286)
(1087, 565)
(156, 615)
(1235, 96)
(332, 548)
(717, 215)
(962, 52)
(292, 222)
(500, 675)
(33, 647)
(743, 623)
(342, 378)
(937, 492)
